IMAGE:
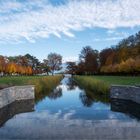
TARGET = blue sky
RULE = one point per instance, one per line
(39, 27)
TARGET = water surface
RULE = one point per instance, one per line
(71, 113)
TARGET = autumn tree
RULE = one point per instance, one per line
(81, 68)
(104, 54)
(54, 62)
(29, 70)
(12, 68)
(45, 67)
(90, 59)
(32, 61)
(71, 67)
(2, 64)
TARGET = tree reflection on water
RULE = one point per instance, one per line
(56, 93)
(85, 99)
(88, 98)
(71, 84)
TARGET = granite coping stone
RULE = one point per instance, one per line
(11, 94)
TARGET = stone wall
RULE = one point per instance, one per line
(16, 107)
(11, 94)
(131, 93)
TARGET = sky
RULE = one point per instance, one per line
(39, 27)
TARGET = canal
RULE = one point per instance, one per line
(69, 112)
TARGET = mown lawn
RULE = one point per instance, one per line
(119, 80)
(17, 80)
(20, 80)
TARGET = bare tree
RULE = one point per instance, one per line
(54, 62)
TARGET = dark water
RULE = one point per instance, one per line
(70, 113)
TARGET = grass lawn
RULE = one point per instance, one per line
(119, 80)
(19, 80)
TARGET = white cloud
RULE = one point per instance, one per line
(68, 115)
(40, 19)
(70, 59)
(116, 33)
(107, 39)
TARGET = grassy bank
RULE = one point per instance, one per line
(101, 84)
(90, 84)
(43, 84)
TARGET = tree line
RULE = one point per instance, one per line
(121, 59)
(29, 65)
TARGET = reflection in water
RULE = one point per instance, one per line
(40, 96)
(14, 108)
(128, 107)
(85, 99)
(71, 84)
(44, 125)
(57, 93)
(88, 98)
(76, 114)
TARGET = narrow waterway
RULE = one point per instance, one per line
(71, 113)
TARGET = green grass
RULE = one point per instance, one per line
(17, 80)
(90, 84)
(119, 80)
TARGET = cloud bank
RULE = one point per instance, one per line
(30, 20)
